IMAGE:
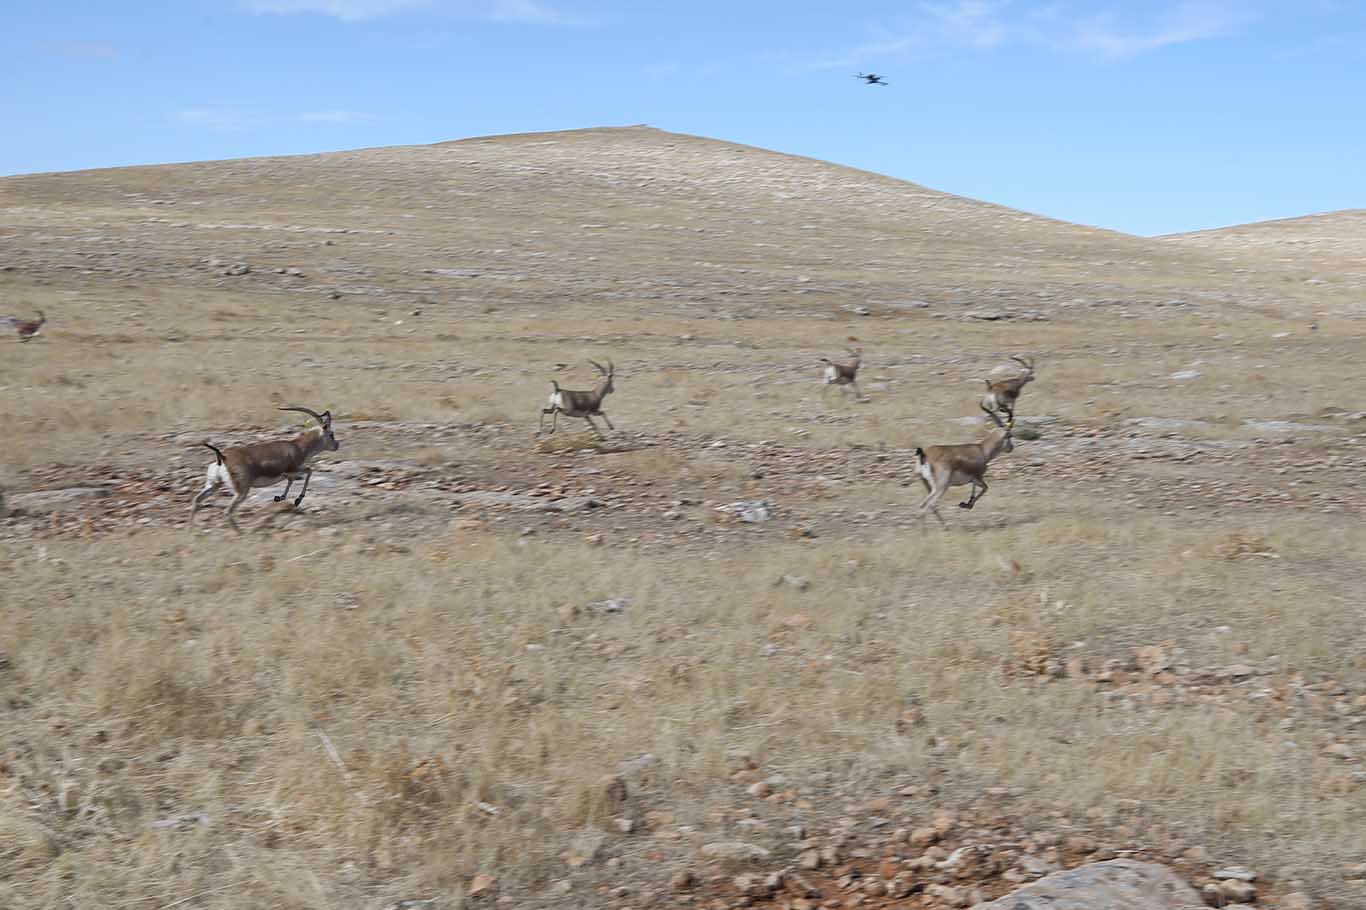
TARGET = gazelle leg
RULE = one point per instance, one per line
(308, 473)
(979, 489)
(858, 393)
(592, 424)
(210, 487)
(232, 507)
(608, 419)
(289, 482)
(540, 428)
(931, 504)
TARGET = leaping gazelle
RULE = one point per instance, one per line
(264, 464)
(941, 467)
(843, 374)
(28, 329)
(580, 403)
(1003, 393)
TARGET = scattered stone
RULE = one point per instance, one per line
(53, 500)
(1238, 891)
(1117, 883)
(611, 605)
(755, 511)
(951, 895)
(1235, 873)
(481, 885)
(586, 847)
(613, 788)
(683, 880)
(182, 822)
(634, 767)
(924, 837)
(800, 582)
(526, 503)
(735, 852)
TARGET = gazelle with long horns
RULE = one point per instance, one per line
(1003, 393)
(941, 467)
(580, 403)
(843, 374)
(264, 464)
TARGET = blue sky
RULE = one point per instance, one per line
(1147, 117)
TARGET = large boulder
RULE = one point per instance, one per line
(1119, 884)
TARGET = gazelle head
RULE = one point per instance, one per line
(607, 388)
(1028, 365)
(324, 420)
(1007, 440)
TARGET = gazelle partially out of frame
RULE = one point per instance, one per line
(1003, 393)
(575, 403)
(941, 467)
(264, 464)
(843, 374)
(28, 329)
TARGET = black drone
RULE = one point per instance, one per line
(871, 78)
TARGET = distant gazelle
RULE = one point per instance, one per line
(1003, 393)
(576, 403)
(28, 329)
(843, 374)
(941, 467)
(264, 464)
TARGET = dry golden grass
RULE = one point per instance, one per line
(164, 678)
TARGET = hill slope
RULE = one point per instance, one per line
(703, 221)
(1330, 248)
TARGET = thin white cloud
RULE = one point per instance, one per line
(1109, 30)
(347, 10)
(1191, 21)
(970, 23)
(527, 11)
(81, 50)
(220, 120)
(233, 120)
(873, 50)
(335, 117)
(533, 12)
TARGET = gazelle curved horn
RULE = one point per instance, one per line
(600, 368)
(323, 419)
(1029, 365)
(995, 418)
